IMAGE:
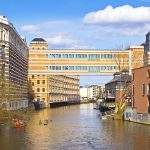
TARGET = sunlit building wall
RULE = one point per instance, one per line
(92, 92)
(84, 61)
(47, 87)
(44, 62)
(14, 67)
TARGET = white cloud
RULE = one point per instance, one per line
(55, 32)
(115, 28)
(120, 15)
(30, 28)
(124, 20)
(59, 40)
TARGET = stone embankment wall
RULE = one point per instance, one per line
(132, 115)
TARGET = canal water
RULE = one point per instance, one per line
(77, 127)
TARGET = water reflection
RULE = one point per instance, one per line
(75, 128)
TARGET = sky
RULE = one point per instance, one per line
(94, 24)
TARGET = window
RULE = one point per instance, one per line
(32, 83)
(38, 81)
(148, 73)
(38, 89)
(133, 90)
(43, 81)
(143, 89)
(132, 76)
(148, 88)
(32, 76)
(43, 90)
(38, 99)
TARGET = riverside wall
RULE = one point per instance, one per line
(131, 114)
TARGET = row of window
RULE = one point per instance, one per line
(38, 82)
(83, 68)
(143, 89)
(33, 76)
(82, 56)
(43, 89)
(148, 74)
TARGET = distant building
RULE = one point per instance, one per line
(14, 67)
(116, 89)
(92, 92)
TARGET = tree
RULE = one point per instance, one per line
(127, 62)
(125, 95)
(132, 60)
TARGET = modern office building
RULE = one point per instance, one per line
(14, 67)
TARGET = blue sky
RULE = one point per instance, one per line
(62, 22)
(98, 24)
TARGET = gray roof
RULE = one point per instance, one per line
(123, 78)
(38, 40)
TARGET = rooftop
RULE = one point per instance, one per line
(38, 40)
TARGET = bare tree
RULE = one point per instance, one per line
(121, 60)
(126, 62)
(125, 97)
(131, 60)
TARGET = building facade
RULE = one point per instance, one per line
(47, 87)
(147, 50)
(14, 67)
(46, 63)
(141, 89)
(82, 61)
(118, 89)
(92, 92)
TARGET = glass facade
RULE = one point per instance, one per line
(82, 68)
(81, 56)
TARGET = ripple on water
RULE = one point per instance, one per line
(75, 128)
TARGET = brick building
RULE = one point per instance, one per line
(141, 89)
